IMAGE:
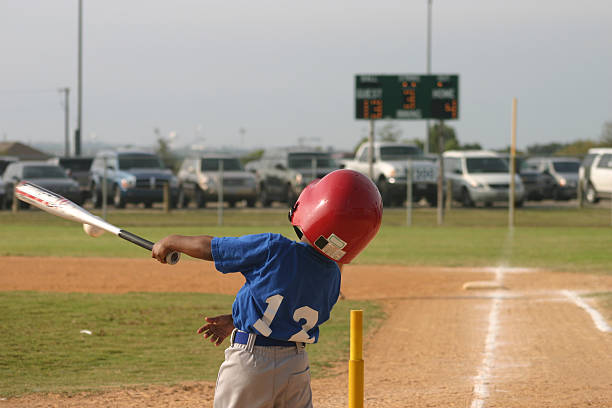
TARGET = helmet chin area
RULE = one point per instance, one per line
(298, 232)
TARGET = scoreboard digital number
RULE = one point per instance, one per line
(409, 97)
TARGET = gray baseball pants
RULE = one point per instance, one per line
(263, 377)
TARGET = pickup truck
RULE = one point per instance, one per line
(282, 173)
(131, 177)
(390, 161)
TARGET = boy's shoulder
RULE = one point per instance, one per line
(279, 243)
(269, 240)
(280, 240)
(271, 237)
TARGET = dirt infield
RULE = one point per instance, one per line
(526, 345)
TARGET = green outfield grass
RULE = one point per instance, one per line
(137, 338)
(566, 239)
(146, 338)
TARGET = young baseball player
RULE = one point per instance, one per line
(290, 288)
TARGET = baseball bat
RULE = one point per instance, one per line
(62, 207)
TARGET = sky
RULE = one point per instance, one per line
(265, 73)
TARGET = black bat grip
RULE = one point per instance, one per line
(172, 258)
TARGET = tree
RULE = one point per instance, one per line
(606, 134)
(471, 146)
(359, 143)
(417, 142)
(163, 151)
(252, 156)
(544, 149)
(450, 138)
(578, 148)
(389, 133)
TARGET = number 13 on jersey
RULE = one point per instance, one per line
(310, 315)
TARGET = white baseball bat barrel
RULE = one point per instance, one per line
(62, 207)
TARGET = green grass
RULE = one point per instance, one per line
(143, 338)
(567, 239)
(138, 338)
(569, 249)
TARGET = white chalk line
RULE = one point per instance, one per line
(508, 269)
(598, 319)
(482, 380)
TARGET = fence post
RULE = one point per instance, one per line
(449, 195)
(15, 203)
(409, 193)
(166, 197)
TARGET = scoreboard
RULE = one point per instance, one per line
(409, 97)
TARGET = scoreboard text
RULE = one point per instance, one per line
(407, 97)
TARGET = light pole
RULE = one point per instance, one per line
(78, 132)
(66, 92)
(428, 66)
(242, 131)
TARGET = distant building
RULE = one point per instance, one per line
(21, 151)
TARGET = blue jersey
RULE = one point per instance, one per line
(290, 288)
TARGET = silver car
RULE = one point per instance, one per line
(480, 176)
(282, 173)
(200, 181)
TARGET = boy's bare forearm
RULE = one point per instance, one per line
(194, 246)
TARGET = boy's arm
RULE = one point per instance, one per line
(194, 246)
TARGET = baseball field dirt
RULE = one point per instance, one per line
(528, 340)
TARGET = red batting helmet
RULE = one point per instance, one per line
(339, 214)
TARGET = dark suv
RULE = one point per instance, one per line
(46, 175)
(556, 177)
(131, 177)
(77, 168)
(282, 173)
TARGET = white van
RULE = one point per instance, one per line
(595, 174)
(480, 176)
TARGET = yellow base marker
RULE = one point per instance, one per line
(356, 367)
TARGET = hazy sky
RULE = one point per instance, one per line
(285, 70)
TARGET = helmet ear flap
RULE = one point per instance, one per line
(298, 232)
(292, 211)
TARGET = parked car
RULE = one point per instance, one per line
(595, 174)
(77, 168)
(2, 195)
(131, 177)
(556, 177)
(4, 162)
(480, 176)
(46, 175)
(200, 181)
(282, 173)
(390, 161)
(530, 177)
